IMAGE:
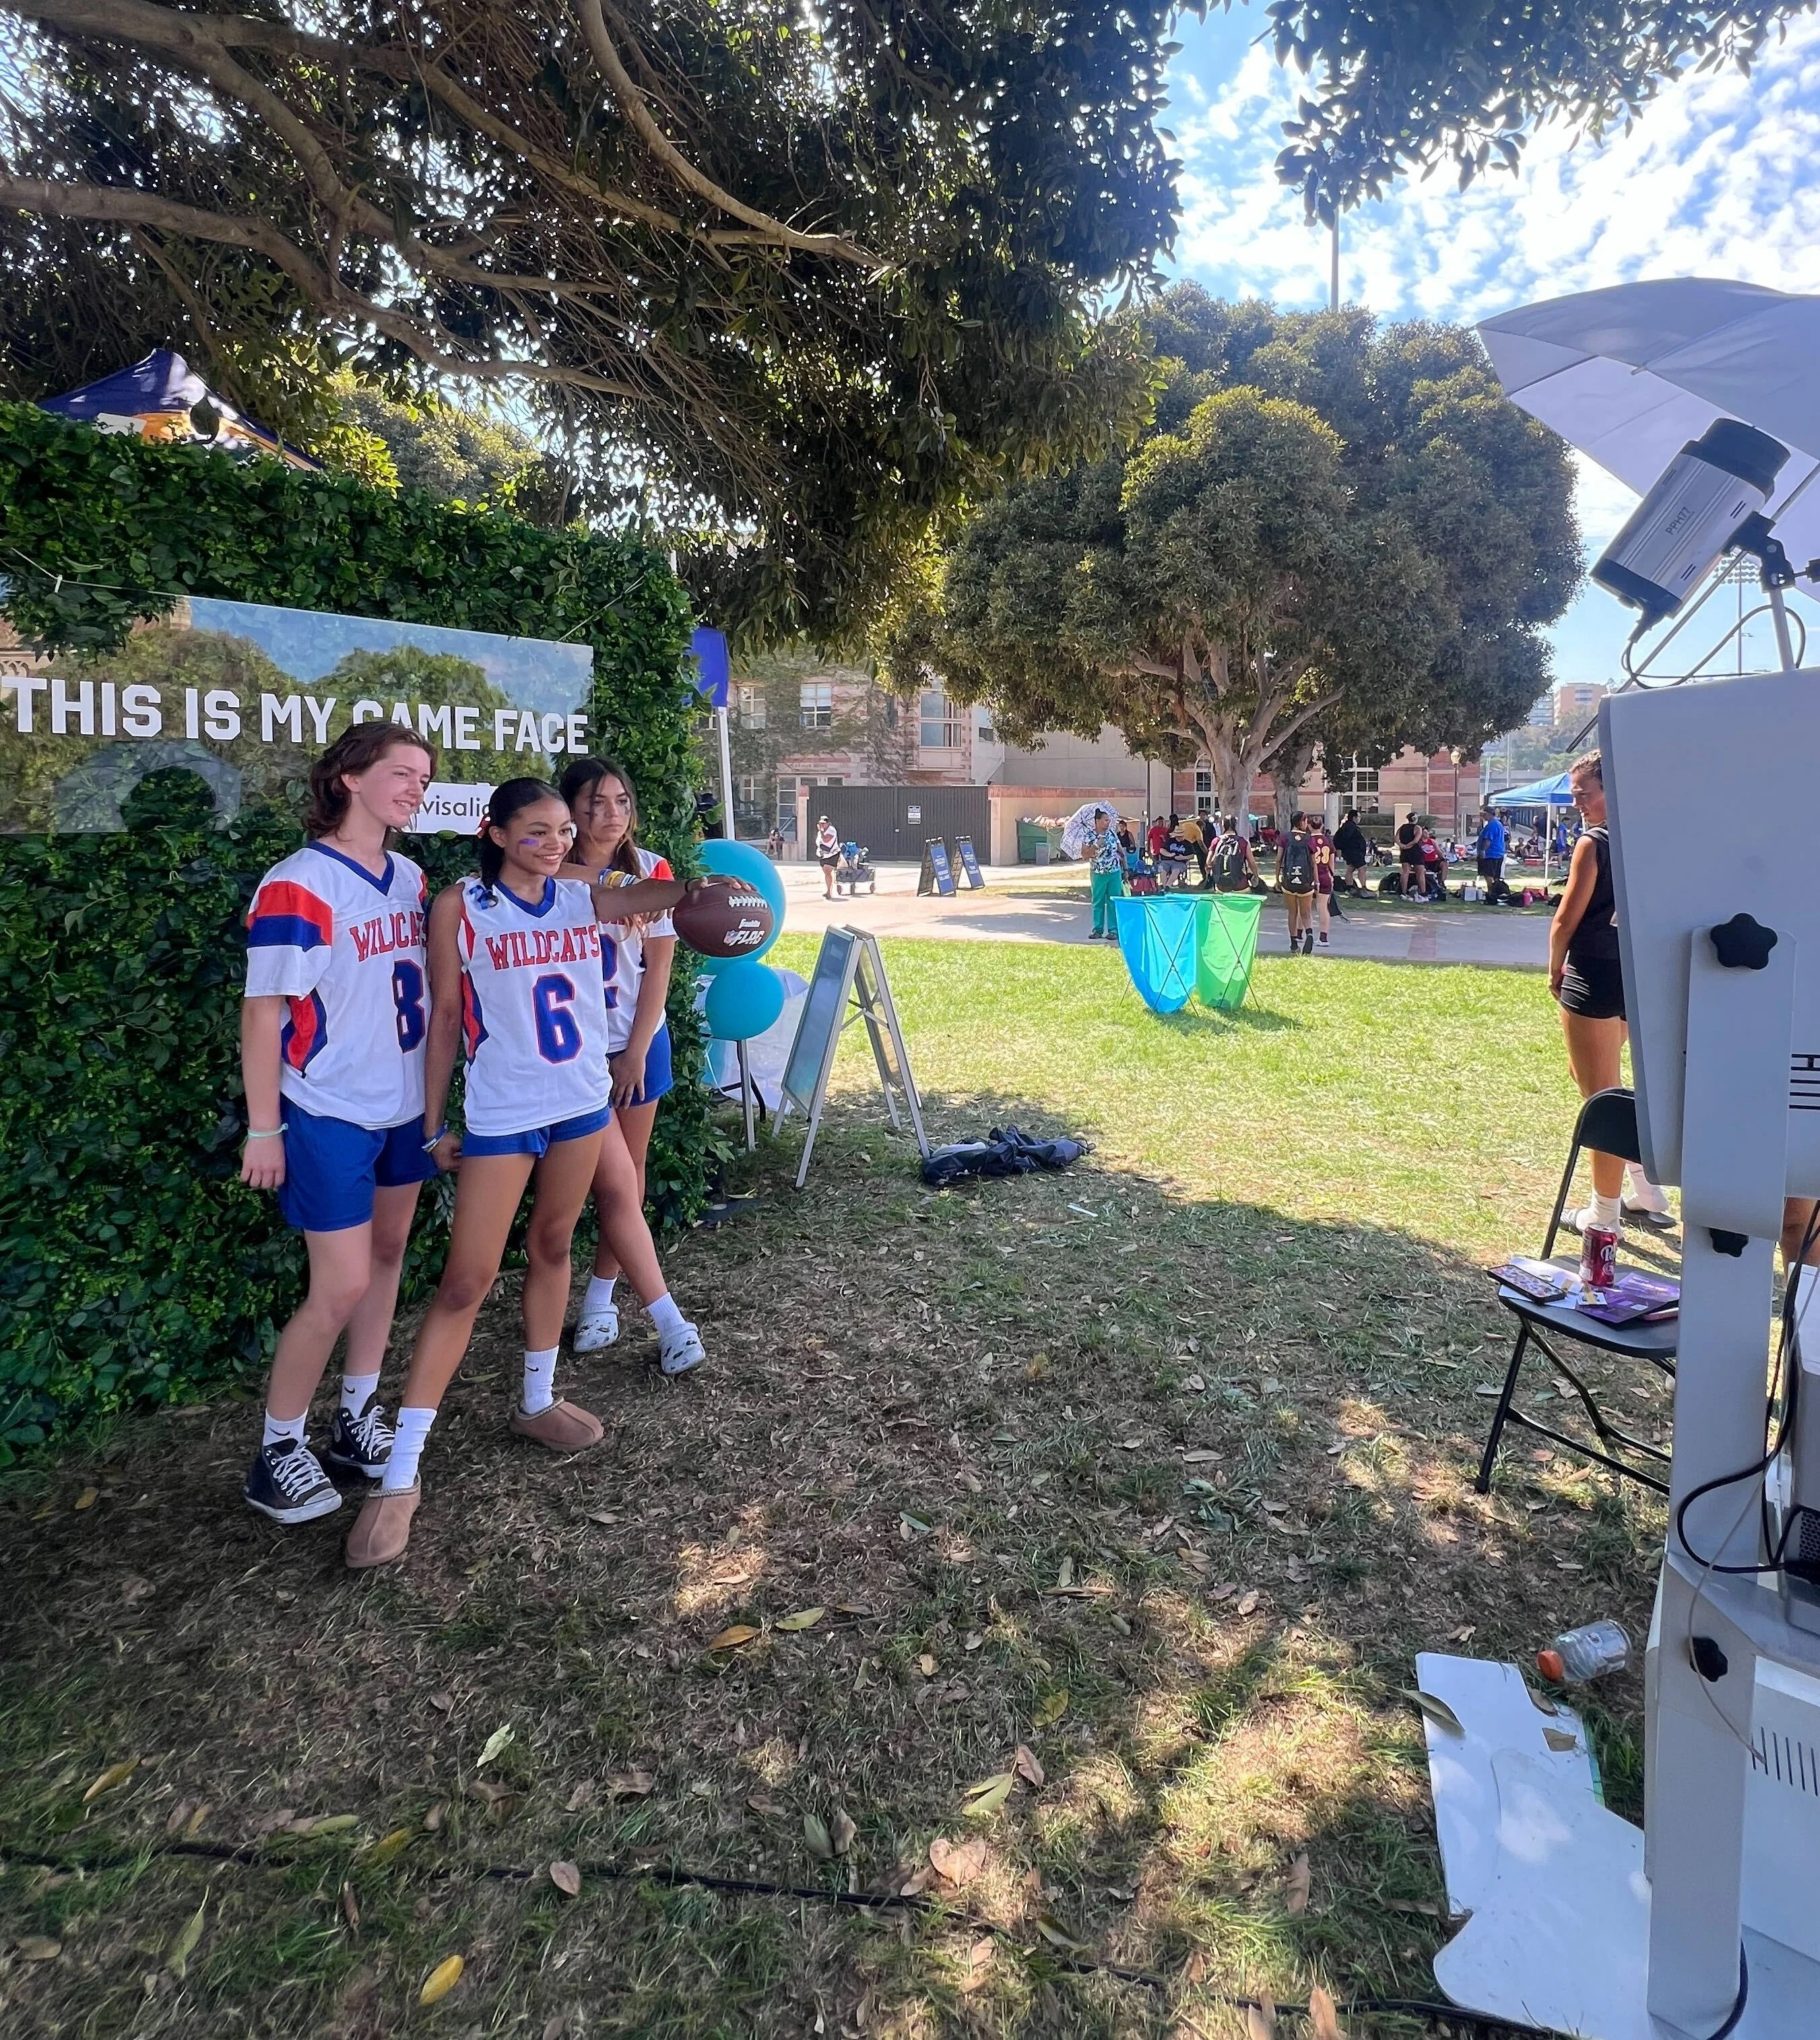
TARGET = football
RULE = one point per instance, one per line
(723, 917)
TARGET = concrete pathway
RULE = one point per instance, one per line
(1030, 904)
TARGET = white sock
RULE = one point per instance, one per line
(277, 1428)
(1644, 1194)
(1602, 1211)
(412, 1427)
(540, 1382)
(600, 1294)
(357, 1391)
(665, 1316)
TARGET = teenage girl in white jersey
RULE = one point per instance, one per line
(515, 970)
(332, 1050)
(637, 957)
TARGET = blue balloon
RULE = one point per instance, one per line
(743, 860)
(744, 997)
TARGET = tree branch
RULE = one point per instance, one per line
(632, 104)
(138, 208)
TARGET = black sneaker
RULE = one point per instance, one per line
(287, 1482)
(361, 1445)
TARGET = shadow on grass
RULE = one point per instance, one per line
(1170, 1495)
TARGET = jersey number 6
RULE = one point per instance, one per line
(558, 1033)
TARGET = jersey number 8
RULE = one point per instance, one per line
(558, 1031)
(408, 1004)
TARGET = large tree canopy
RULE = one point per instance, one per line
(792, 283)
(1336, 534)
(801, 279)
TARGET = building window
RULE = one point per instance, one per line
(942, 726)
(751, 708)
(816, 697)
(787, 792)
(746, 791)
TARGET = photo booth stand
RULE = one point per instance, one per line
(849, 987)
(1705, 1923)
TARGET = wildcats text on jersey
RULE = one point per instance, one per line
(385, 935)
(533, 948)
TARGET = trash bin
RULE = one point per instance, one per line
(1226, 948)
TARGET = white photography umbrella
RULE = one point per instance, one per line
(1630, 375)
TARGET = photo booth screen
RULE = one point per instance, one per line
(244, 696)
(1712, 789)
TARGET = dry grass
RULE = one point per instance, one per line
(961, 1425)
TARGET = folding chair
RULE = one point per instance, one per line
(1607, 1122)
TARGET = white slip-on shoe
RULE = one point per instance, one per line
(595, 1329)
(681, 1351)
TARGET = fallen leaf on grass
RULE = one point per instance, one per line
(912, 1526)
(760, 1804)
(1260, 2021)
(629, 1784)
(804, 1618)
(1194, 1970)
(957, 1863)
(815, 1832)
(387, 1848)
(582, 1796)
(116, 1774)
(441, 1979)
(602, 1516)
(1194, 1382)
(1198, 1459)
(1027, 1767)
(973, 1640)
(183, 1946)
(979, 1962)
(1224, 1591)
(1051, 1707)
(351, 1910)
(494, 1745)
(1296, 1898)
(732, 1636)
(841, 1831)
(1324, 2019)
(327, 1824)
(926, 1664)
(1058, 1936)
(1248, 1603)
(1558, 1738)
(37, 1948)
(567, 1878)
(88, 1496)
(443, 1702)
(434, 1816)
(988, 1795)
(1064, 1578)
(1437, 1712)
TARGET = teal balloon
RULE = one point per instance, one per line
(744, 997)
(744, 861)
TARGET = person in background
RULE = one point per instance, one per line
(1231, 866)
(827, 853)
(1295, 875)
(1321, 846)
(1172, 871)
(1106, 863)
(1193, 838)
(773, 844)
(1409, 857)
(1353, 850)
(1491, 857)
(1433, 867)
(1587, 979)
(1156, 837)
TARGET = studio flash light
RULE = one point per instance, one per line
(1690, 517)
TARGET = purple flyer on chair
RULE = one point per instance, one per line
(1633, 1296)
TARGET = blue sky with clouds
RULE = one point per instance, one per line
(1720, 177)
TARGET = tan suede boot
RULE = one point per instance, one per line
(561, 1428)
(382, 1528)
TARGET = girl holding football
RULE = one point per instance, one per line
(515, 970)
(637, 957)
(332, 1050)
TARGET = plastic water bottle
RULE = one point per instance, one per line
(1588, 1653)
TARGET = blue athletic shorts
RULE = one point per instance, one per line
(332, 1167)
(536, 1139)
(659, 1078)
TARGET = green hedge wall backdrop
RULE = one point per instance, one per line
(133, 1265)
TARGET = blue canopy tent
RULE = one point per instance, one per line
(1544, 793)
(163, 399)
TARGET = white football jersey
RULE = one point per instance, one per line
(346, 950)
(622, 955)
(534, 1006)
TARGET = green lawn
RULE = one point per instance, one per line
(959, 1424)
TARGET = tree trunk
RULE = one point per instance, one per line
(1289, 769)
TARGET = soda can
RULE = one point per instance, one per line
(1599, 1256)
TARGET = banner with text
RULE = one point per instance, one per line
(244, 695)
